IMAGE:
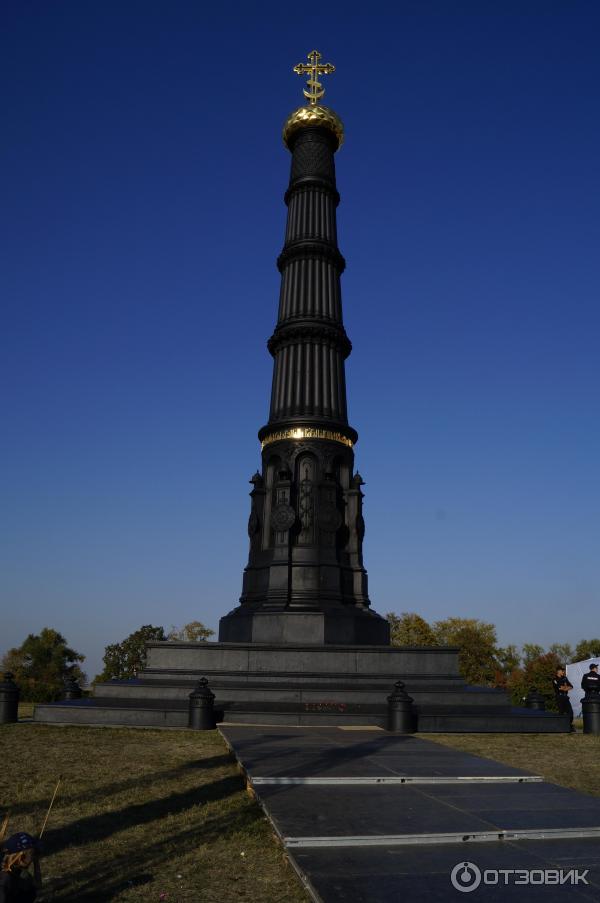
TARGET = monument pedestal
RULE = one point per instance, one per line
(301, 684)
(336, 625)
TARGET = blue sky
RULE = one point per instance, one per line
(141, 218)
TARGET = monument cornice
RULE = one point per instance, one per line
(310, 248)
(312, 183)
(309, 332)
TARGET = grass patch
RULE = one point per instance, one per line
(572, 760)
(141, 813)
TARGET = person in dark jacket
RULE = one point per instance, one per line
(562, 685)
(590, 682)
(19, 851)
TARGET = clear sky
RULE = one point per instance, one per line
(142, 213)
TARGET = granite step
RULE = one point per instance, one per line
(385, 679)
(174, 712)
(299, 690)
(435, 719)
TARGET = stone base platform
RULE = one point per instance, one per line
(301, 685)
(334, 625)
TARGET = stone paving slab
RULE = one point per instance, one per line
(343, 811)
(299, 752)
(385, 843)
(362, 811)
(504, 796)
(423, 874)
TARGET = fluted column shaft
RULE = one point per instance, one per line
(309, 344)
(305, 580)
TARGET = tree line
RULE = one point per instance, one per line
(43, 662)
(483, 662)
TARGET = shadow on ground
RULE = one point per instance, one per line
(147, 862)
(98, 827)
(140, 782)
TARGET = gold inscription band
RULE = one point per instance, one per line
(305, 432)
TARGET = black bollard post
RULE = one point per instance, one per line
(590, 705)
(9, 700)
(401, 715)
(201, 708)
(535, 700)
(72, 689)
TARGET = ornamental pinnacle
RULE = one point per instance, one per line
(314, 69)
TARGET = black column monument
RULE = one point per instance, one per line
(305, 580)
(304, 646)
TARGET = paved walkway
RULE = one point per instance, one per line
(371, 817)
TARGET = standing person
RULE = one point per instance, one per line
(562, 685)
(16, 884)
(590, 682)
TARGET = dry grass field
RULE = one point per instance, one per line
(141, 815)
(164, 815)
(572, 760)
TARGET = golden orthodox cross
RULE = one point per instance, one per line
(314, 69)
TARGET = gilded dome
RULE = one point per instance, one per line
(313, 115)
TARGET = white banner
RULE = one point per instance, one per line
(575, 672)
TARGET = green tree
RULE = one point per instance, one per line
(194, 632)
(532, 651)
(40, 665)
(564, 651)
(536, 674)
(586, 649)
(477, 645)
(410, 629)
(509, 658)
(123, 660)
